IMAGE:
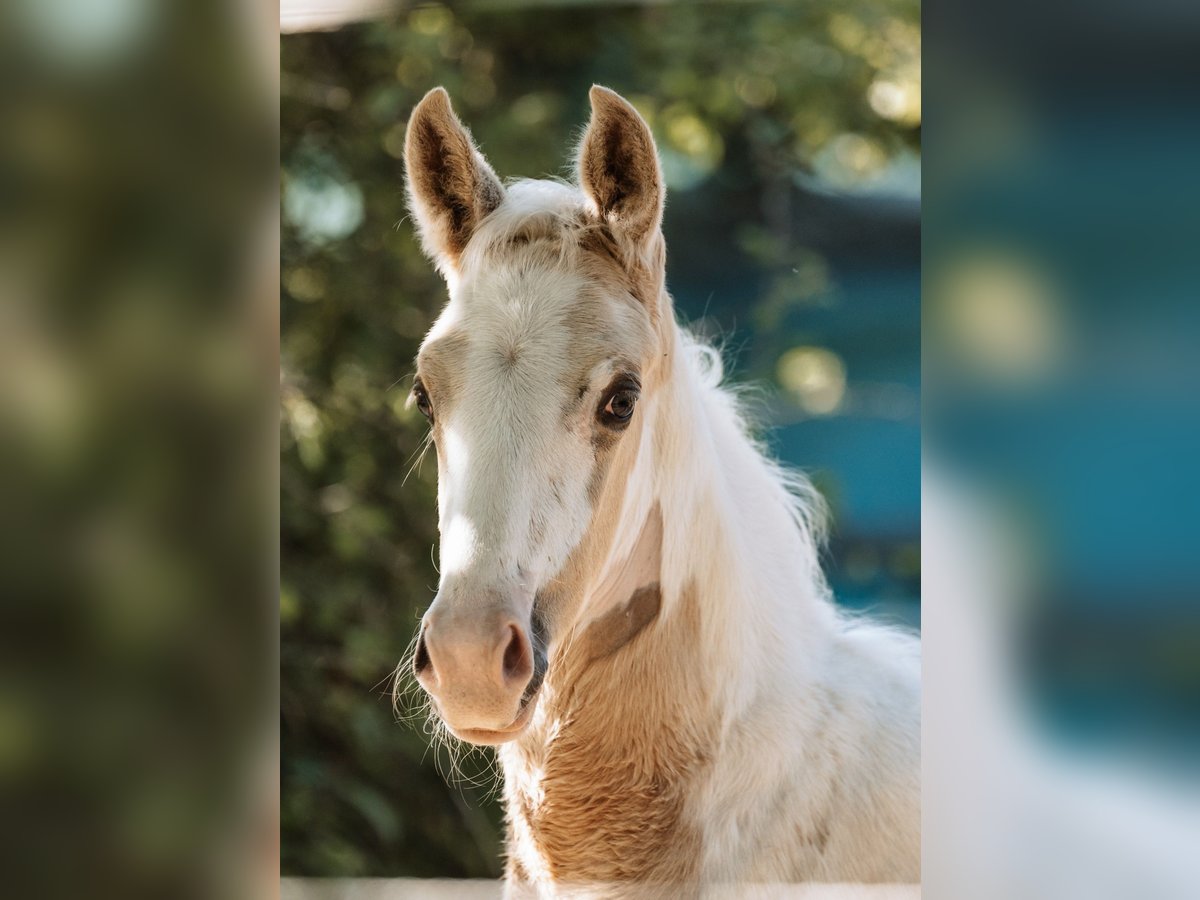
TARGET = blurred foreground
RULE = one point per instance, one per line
(1062, 434)
(138, 256)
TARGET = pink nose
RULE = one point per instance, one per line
(476, 666)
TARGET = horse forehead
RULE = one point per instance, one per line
(515, 291)
(541, 316)
(539, 323)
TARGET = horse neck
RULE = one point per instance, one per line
(731, 531)
(740, 592)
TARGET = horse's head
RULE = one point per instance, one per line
(534, 379)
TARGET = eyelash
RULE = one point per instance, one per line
(627, 390)
(421, 398)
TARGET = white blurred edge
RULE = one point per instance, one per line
(317, 15)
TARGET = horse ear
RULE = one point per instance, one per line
(618, 167)
(451, 187)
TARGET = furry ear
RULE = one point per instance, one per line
(618, 167)
(451, 187)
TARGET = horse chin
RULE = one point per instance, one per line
(487, 737)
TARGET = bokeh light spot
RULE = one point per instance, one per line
(1001, 314)
(896, 100)
(815, 377)
(431, 20)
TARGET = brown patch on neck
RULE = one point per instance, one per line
(619, 626)
(628, 597)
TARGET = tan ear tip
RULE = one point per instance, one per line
(602, 96)
(609, 101)
(436, 98)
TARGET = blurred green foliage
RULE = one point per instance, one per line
(749, 93)
(137, 620)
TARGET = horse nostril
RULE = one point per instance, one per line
(518, 656)
(421, 661)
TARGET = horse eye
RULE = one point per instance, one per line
(421, 396)
(620, 405)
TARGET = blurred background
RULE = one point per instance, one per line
(790, 138)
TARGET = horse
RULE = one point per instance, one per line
(631, 607)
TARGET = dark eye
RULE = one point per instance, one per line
(421, 398)
(619, 407)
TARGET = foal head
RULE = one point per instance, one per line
(534, 380)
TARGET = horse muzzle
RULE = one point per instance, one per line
(482, 667)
